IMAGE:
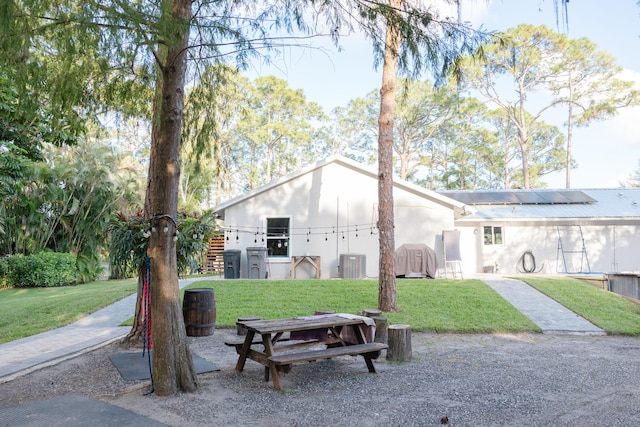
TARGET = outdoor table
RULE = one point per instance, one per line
(271, 331)
(314, 260)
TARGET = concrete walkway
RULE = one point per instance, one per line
(28, 354)
(25, 355)
(545, 312)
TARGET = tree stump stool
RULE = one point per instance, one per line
(399, 343)
(240, 329)
(371, 312)
(382, 326)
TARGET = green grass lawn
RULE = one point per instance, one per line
(438, 305)
(456, 306)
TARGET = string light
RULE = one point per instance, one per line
(155, 219)
(198, 230)
(292, 232)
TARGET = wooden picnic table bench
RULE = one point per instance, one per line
(278, 357)
(284, 343)
(370, 351)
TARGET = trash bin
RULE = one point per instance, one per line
(231, 259)
(257, 262)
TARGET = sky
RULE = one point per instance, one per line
(606, 152)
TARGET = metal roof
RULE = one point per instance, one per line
(525, 197)
(583, 204)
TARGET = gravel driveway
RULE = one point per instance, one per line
(464, 380)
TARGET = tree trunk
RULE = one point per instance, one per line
(137, 330)
(569, 136)
(523, 141)
(172, 366)
(387, 281)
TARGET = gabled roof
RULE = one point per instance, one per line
(460, 209)
(545, 204)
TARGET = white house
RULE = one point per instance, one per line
(329, 212)
(560, 231)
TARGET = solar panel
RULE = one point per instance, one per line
(529, 197)
(577, 196)
(519, 197)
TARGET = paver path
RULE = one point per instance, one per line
(545, 312)
(48, 348)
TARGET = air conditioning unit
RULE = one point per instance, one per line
(352, 266)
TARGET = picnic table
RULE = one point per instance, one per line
(336, 334)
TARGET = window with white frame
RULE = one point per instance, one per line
(278, 232)
(492, 234)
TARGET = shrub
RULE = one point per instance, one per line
(4, 270)
(44, 269)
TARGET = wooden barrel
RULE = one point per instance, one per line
(199, 311)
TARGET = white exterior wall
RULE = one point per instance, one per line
(609, 247)
(327, 199)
